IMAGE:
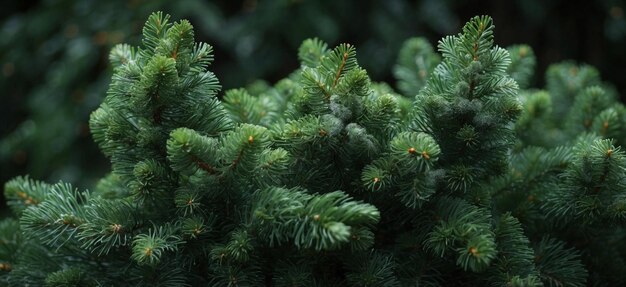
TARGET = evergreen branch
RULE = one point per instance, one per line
(72, 276)
(341, 66)
(371, 270)
(55, 220)
(166, 274)
(414, 151)
(204, 166)
(235, 275)
(416, 61)
(311, 52)
(240, 148)
(196, 227)
(297, 273)
(464, 229)
(382, 114)
(151, 180)
(530, 168)
(110, 225)
(121, 54)
(188, 151)
(154, 30)
(558, 265)
(148, 248)
(355, 83)
(201, 57)
(313, 83)
(238, 249)
(522, 64)
(241, 106)
(307, 130)
(312, 221)
(564, 81)
(188, 201)
(11, 241)
(234, 163)
(515, 257)
(478, 34)
(336, 63)
(273, 165)
(22, 192)
(589, 184)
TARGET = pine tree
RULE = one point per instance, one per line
(330, 179)
(566, 175)
(68, 42)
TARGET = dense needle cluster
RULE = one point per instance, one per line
(330, 179)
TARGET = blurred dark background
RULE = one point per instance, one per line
(54, 68)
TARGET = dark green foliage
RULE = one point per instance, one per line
(55, 72)
(416, 61)
(328, 179)
(515, 259)
(522, 64)
(558, 265)
(566, 177)
(69, 277)
(23, 191)
(593, 184)
(176, 164)
(468, 105)
(282, 215)
(371, 270)
(465, 230)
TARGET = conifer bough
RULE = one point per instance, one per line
(330, 179)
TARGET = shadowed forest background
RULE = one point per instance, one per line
(54, 55)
